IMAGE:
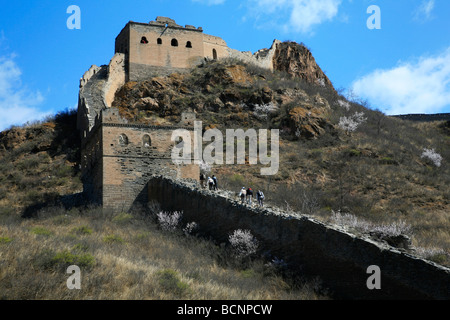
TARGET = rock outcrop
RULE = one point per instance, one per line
(229, 94)
(297, 60)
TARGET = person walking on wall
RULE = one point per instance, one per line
(202, 180)
(210, 183)
(242, 194)
(260, 198)
(215, 182)
(249, 195)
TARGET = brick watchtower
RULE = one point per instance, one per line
(162, 46)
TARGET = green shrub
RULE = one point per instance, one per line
(5, 240)
(64, 171)
(112, 238)
(66, 258)
(142, 236)
(248, 273)
(169, 281)
(41, 231)
(29, 163)
(51, 260)
(439, 258)
(353, 153)
(122, 218)
(83, 230)
(237, 178)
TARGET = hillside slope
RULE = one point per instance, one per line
(39, 163)
(375, 173)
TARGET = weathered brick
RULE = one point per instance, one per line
(117, 164)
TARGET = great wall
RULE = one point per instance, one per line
(116, 156)
(308, 246)
(125, 163)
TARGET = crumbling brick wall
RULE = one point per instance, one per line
(308, 246)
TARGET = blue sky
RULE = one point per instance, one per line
(404, 67)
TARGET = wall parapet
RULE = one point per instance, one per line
(338, 257)
(145, 126)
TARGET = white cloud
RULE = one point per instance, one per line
(422, 86)
(423, 12)
(294, 15)
(18, 104)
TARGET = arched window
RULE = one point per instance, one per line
(174, 43)
(188, 44)
(146, 141)
(144, 40)
(159, 41)
(123, 139)
(214, 54)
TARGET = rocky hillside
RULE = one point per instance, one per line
(374, 170)
(39, 164)
(230, 94)
(297, 60)
(336, 155)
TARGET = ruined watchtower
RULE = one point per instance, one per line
(164, 47)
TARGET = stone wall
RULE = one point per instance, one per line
(116, 78)
(90, 98)
(309, 247)
(118, 159)
(262, 58)
(142, 71)
(92, 166)
(172, 51)
(214, 47)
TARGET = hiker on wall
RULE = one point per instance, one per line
(242, 194)
(215, 182)
(249, 195)
(260, 198)
(210, 183)
(202, 180)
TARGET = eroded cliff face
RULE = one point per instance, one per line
(297, 60)
(228, 94)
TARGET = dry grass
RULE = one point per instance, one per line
(379, 177)
(125, 260)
